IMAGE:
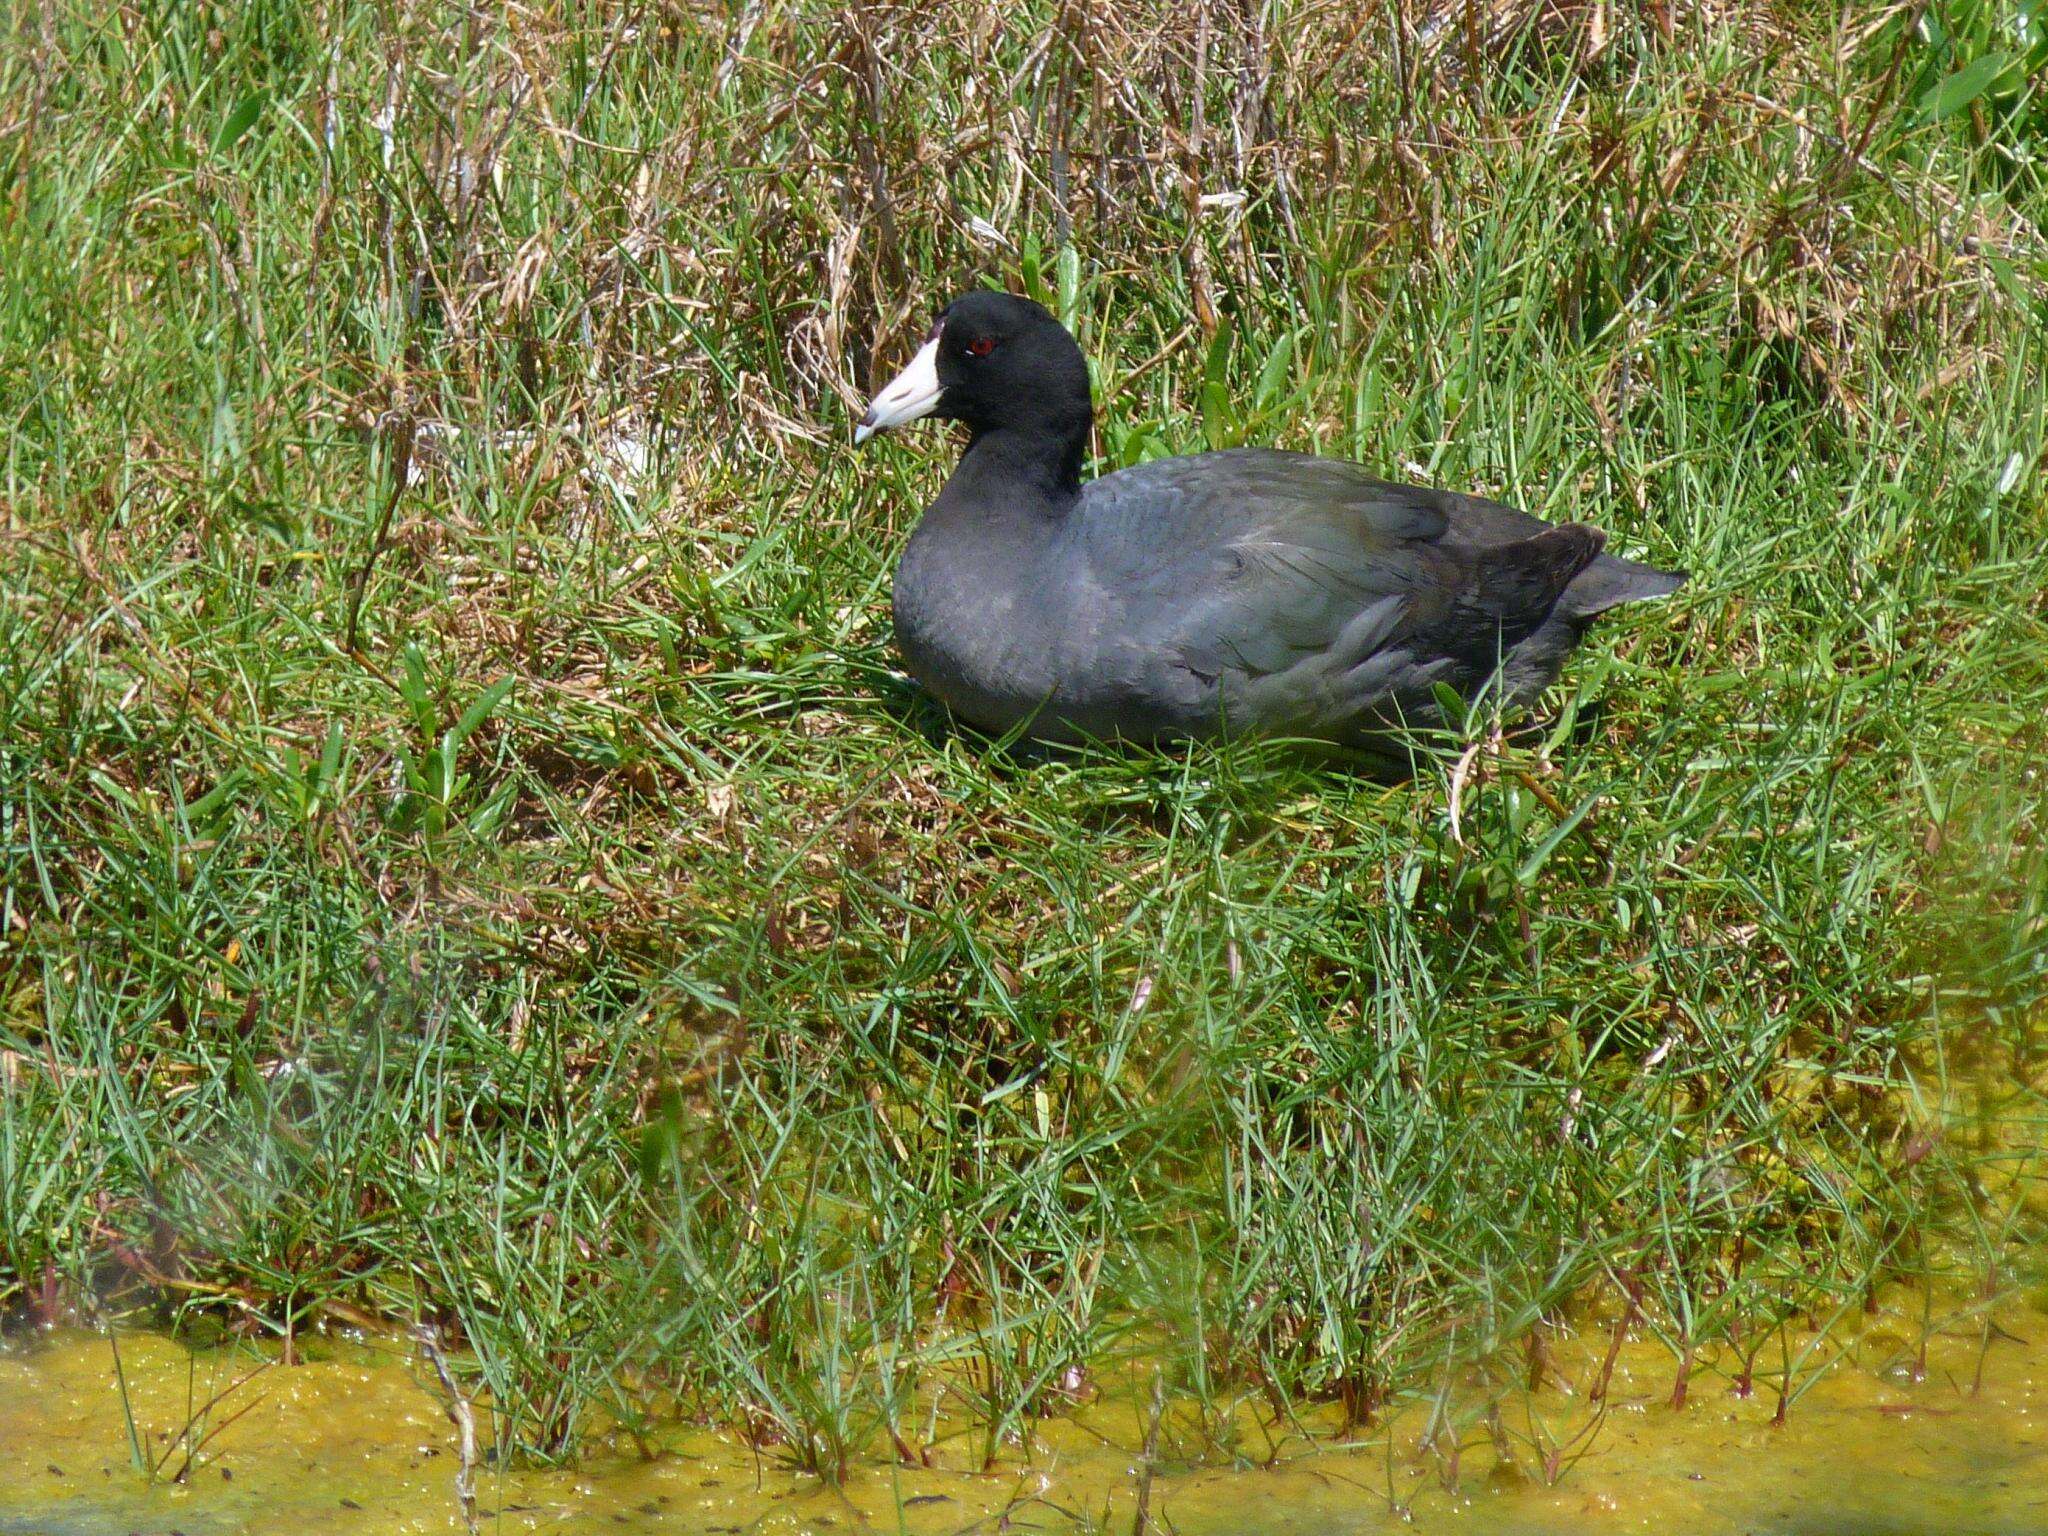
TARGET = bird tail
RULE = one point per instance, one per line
(1610, 581)
(1520, 583)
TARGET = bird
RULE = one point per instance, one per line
(1238, 592)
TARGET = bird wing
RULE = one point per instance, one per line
(1253, 562)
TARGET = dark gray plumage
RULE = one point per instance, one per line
(1246, 591)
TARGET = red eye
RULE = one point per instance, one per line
(981, 346)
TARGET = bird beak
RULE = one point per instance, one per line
(912, 394)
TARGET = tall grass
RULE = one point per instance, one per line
(470, 857)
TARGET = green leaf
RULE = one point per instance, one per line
(1536, 860)
(1273, 376)
(481, 710)
(204, 808)
(1031, 268)
(330, 756)
(1216, 364)
(240, 121)
(1365, 402)
(1452, 703)
(483, 821)
(1069, 271)
(1219, 418)
(1216, 422)
(662, 1137)
(413, 686)
(1952, 94)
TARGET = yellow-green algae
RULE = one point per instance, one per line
(358, 1442)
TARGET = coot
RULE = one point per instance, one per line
(1246, 590)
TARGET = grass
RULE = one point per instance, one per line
(462, 875)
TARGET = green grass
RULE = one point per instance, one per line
(606, 956)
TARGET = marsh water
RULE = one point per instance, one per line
(357, 1439)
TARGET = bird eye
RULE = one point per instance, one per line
(981, 346)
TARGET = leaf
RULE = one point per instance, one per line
(1031, 268)
(483, 821)
(1219, 420)
(1273, 376)
(1952, 94)
(1216, 365)
(1453, 705)
(481, 710)
(1216, 425)
(1365, 402)
(661, 1138)
(413, 687)
(240, 121)
(204, 808)
(442, 761)
(330, 756)
(1069, 270)
(1015, 1085)
(1564, 829)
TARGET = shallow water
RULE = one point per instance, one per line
(357, 1443)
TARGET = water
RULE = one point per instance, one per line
(358, 1444)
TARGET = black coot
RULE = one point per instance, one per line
(1242, 591)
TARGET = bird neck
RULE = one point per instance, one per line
(1040, 458)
